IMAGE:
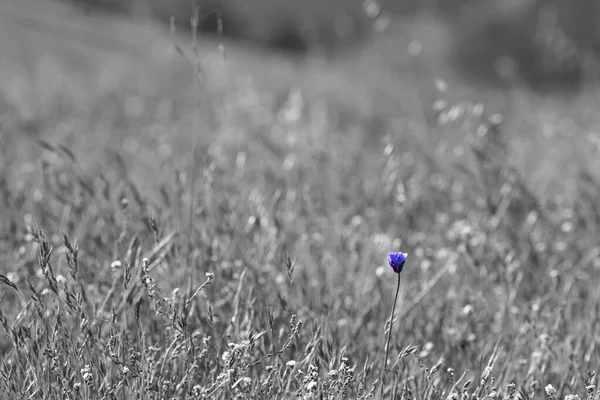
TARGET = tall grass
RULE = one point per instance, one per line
(294, 208)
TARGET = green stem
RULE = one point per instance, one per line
(389, 335)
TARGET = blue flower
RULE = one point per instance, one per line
(397, 260)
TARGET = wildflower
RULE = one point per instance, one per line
(551, 392)
(572, 397)
(396, 261)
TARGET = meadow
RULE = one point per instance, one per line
(209, 221)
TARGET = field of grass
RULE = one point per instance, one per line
(167, 235)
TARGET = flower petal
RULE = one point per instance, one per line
(397, 260)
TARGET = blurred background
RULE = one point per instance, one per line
(330, 130)
(545, 44)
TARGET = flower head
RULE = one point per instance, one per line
(397, 260)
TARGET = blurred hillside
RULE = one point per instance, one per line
(547, 44)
